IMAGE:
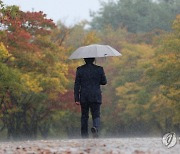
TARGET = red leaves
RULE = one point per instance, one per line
(22, 27)
(67, 97)
(68, 101)
(36, 23)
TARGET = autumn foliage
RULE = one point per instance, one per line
(37, 79)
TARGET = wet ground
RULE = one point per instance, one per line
(92, 146)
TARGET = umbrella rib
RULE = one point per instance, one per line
(110, 49)
(96, 51)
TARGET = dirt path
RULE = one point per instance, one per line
(93, 146)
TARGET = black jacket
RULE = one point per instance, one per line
(88, 79)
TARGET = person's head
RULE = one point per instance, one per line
(89, 60)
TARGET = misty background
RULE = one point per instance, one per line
(37, 79)
(68, 11)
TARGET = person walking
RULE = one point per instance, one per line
(87, 94)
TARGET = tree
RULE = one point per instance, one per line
(136, 15)
(37, 63)
(165, 71)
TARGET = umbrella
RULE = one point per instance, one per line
(94, 50)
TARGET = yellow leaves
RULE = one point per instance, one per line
(135, 55)
(160, 102)
(164, 60)
(62, 51)
(53, 85)
(163, 107)
(31, 83)
(3, 52)
(12, 59)
(91, 38)
(56, 76)
(61, 68)
(171, 44)
(148, 80)
(114, 37)
(129, 90)
(176, 24)
(164, 71)
(51, 82)
(172, 92)
(143, 51)
(130, 102)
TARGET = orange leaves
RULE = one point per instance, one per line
(21, 27)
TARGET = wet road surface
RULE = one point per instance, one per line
(92, 146)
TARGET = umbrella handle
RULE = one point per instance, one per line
(105, 56)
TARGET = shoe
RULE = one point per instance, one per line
(94, 132)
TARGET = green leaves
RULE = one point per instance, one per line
(10, 80)
(137, 16)
(36, 77)
(33, 72)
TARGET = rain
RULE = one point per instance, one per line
(89, 76)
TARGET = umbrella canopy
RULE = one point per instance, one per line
(94, 50)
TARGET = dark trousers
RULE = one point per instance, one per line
(95, 112)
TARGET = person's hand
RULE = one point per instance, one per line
(77, 103)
